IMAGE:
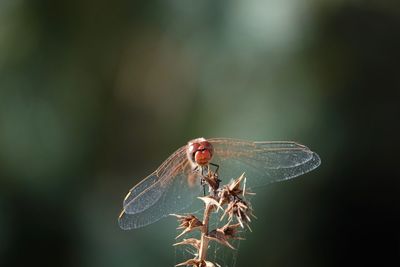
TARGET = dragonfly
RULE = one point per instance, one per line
(177, 182)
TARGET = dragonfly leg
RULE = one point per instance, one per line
(216, 167)
(196, 169)
(203, 181)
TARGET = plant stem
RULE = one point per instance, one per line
(204, 233)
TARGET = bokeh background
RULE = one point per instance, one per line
(94, 95)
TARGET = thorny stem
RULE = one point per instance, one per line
(236, 209)
(204, 233)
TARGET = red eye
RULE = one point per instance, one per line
(192, 149)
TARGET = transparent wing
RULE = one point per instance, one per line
(170, 189)
(263, 162)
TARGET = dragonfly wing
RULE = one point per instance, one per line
(173, 198)
(149, 190)
(263, 162)
(171, 188)
(149, 198)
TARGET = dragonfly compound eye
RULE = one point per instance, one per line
(191, 151)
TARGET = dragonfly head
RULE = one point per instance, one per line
(200, 151)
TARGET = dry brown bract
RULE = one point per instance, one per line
(190, 241)
(210, 201)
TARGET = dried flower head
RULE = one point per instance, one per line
(188, 223)
(223, 234)
(196, 263)
(234, 186)
(231, 230)
(240, 210)
(212, 180)
(231, 191)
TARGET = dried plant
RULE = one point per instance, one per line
(227, 201)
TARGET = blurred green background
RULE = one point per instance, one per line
(94, 95)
